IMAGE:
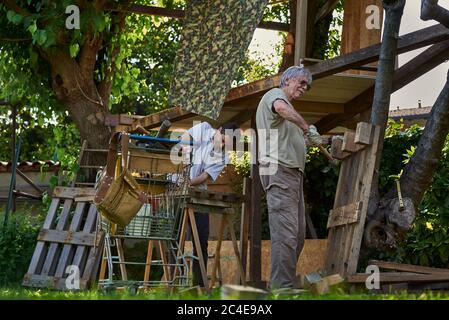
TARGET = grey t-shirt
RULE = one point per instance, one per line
(288, 148)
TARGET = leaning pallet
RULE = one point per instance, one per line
(347, 219)
(69, 247)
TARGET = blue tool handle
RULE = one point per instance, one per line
(153, 139)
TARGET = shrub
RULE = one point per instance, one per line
(17, 243)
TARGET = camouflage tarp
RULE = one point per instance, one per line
(214, 40)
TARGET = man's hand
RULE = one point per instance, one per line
(313, 136)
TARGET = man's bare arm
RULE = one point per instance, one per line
(200, 179)
(287, 112)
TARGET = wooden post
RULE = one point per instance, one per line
(301, 31)
(355, 33)
(255, 274)
(244, 226)
(13, 154)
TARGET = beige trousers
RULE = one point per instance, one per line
(286, 216)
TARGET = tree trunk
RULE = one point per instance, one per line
(387, 225)
(381, 102)
(430, 10)
(78, 92)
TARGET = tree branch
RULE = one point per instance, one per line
(105, 86)
(88, 55)
(430, 10)
(384, 85)
(418, 172)
(13, 6)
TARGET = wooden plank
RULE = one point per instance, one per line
(68, 250)
(244, 224)
(196, 241)
(53, 252)
(412, 70)
(154, 163)
(367, 168)
(354, 185)
(180, 14)
(337, 151)
(89, 227)
(45, 281)
(349, 143)
(301, 30)
(408, 42)
(363, 134)
(210, 209)
(344, 215)
(326, 9)
(215, 203)
(72, 193)
(407, 267)
(68, 237)
(39, 252)
(93, 260)
(85, 199)
(156, 119)
(390, 277)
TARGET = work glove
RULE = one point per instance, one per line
(313, 136)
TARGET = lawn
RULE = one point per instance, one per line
(19, 293)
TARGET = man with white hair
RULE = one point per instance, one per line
(281, 171)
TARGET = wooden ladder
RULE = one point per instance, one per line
(81, 159)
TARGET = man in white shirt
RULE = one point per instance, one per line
(209, 159)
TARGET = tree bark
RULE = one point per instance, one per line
(430, 10)
(381, 102)
(418, 172)
(78, 92)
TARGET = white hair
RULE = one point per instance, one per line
(295, 72)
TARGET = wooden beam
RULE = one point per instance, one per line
(344, 215)
(407, 267)
(408, 42)
(241, 117)
(180, 14)
(301, 30)
(156, 119)
(412, 70)
(255, 252)
(391, 277)
(318, 107)
(327, 8)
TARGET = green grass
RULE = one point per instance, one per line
(19, 293)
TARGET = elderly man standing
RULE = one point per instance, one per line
(282, 169)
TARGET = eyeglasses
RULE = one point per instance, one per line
(305, 84)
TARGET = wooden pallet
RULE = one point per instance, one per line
(68, 237)
(230, 198)
(346, 221)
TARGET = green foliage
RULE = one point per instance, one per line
(320, 183)
(17, 242)
(427, 243)
(397, 141)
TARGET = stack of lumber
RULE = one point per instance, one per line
(405, 276)
(320, 285)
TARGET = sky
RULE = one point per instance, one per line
(426, 88)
